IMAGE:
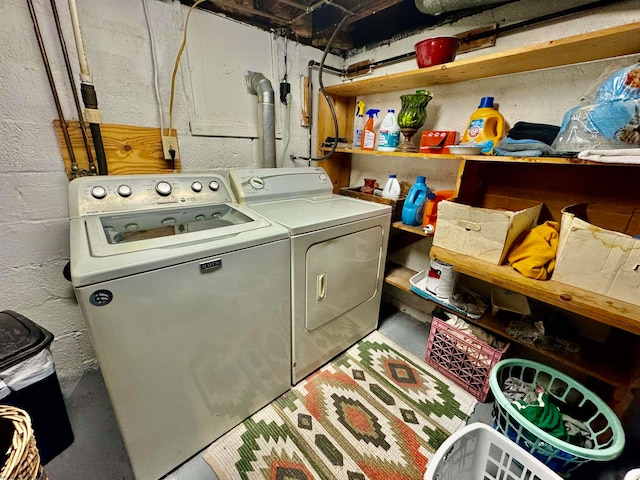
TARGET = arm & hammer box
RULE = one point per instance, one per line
(434, 141)
(486, 229)
(603, 259)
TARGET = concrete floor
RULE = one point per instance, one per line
(98, 452)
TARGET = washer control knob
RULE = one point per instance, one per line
(214, 185)
(256, 182)
(131, 227)
(124, 190)
(323, 177)
(196, 186)
(99, 192)
(200, 217)
(169, 222)
(163, 188)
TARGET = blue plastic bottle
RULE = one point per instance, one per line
(413, 209)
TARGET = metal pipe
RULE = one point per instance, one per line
(75, 170)
(76, 99)
(259, 85)
(436, 7)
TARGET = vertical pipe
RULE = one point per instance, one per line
(88, 91)
(67, 63)
(75, 170)
(261, 86)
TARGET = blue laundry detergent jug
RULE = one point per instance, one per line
(413, 208)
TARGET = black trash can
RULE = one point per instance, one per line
(28, 380)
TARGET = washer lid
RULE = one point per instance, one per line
(114, 234)
(302, 215)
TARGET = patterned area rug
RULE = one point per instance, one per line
(376, 412)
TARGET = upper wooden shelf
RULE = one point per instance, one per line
(607, 43)
(480, 158)
(604, 309)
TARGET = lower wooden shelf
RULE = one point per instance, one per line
(603, 309)
(591, 360)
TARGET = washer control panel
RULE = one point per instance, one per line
(270, 184)
(105, 194)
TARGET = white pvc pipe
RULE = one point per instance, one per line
(85, 75)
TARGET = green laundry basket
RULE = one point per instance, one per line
(605, 430)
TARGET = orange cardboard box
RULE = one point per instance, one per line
(433, 141)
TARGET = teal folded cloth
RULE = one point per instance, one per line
(524, 148)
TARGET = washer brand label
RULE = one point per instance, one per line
(100, 298)
(210, 265)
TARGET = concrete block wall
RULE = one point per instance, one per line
(34, 233)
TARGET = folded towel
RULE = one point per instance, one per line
(535, 256)
(500, 152)
(620, 155)
(524, 147)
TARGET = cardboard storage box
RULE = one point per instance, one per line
(603, 259)
(484, 230)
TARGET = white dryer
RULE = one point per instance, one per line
(338, 250)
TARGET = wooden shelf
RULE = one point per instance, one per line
(408, 228)
(480, 158)
(588, 361)
(598, 307)
(399, 276)
(607, 43)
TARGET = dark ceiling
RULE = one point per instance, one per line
(313, 22)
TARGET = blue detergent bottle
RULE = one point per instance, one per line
(413, 209)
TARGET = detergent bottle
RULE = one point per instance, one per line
(369, 133)
(431, 210)
(389, 134)
(392, 188)
(358, 124)
(486, 127)
(413, 209)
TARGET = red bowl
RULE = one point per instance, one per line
(436, 50)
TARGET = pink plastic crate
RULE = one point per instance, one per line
(462, 357)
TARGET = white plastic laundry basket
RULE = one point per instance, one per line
(479, 452)
(633, 474)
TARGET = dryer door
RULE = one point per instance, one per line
(341, 274)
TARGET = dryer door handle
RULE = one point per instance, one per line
(321, 286)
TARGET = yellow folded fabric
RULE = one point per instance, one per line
(535, 255)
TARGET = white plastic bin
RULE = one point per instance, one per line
(479, 452)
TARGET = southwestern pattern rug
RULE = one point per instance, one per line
(376, 412)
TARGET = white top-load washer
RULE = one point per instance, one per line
(338, 250)
(186, 298)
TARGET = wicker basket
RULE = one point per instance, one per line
(23, 458)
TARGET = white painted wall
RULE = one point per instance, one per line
(34, 226)
(33, 186)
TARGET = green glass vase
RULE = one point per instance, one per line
(411, 117)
